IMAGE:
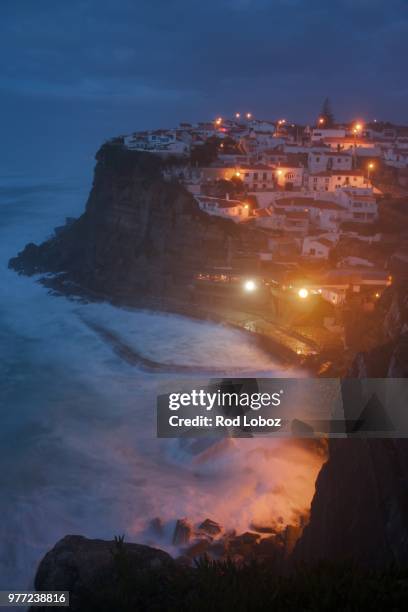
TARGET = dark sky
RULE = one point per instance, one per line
(76, 72)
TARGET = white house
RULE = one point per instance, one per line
(161, 142)
(289, 177)
(256, 176)
(316, 247)
(229, 209)
(321, 134)
(397, 158)
(265, 140)
(336, 179)
(295, 222)
(321, 162)
(360, 203)
(324, 214)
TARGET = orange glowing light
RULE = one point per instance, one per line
(250, 286)
(248, 115)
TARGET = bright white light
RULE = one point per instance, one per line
(249, 286)
(303, 293)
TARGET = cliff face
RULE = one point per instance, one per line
(138, 235)
(360, 508)
(389, 359)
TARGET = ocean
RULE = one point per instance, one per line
(78, 446)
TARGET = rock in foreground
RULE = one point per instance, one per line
(88, 567)
(118, 577)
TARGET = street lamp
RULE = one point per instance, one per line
(303, 293)
(237, 115)
(249, 115)
(370, 167)
(357, 128)
(321, 121)
(249, 286)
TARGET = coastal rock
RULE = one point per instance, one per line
(259, 528)
(270, 549)
(83, 567)
(156, 526)
(389, 357)
(139, 236)
(182, 532)
(198, 549)
(398, 365)
(210, 527)
(360, 508)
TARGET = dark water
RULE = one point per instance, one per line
(78, 451)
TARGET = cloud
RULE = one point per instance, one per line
(223, 50)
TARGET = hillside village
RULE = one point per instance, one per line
(329, 201)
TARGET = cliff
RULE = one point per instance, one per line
(389, 357)
(139, 235)
(360, 508)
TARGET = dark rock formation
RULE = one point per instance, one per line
(142, 582)
(360, 508)
(182, 532)
(389, 358)
(157, 527)
(210, 527)
(85, 567)
(139, 235)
